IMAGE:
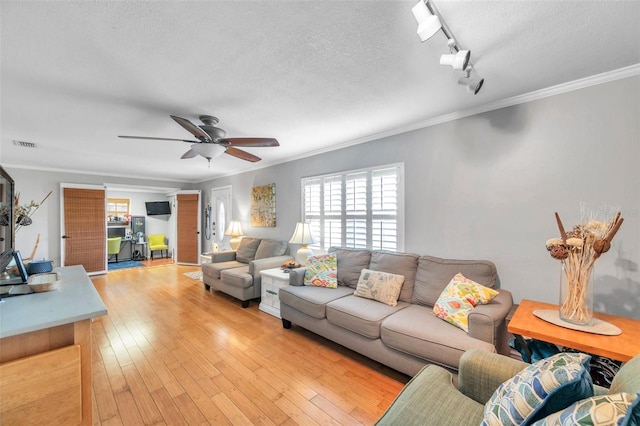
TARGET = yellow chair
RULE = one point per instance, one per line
(113, 247)
(157, 242)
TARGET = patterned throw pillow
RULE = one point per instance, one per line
(458, 298)
(547, 386)
(619, 409)
(381, 286)
(321, 271)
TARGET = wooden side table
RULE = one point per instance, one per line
(272, 281)
(622, 347)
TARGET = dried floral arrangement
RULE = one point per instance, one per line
(578, 250)
(22, 212)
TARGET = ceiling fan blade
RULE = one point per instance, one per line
(157, 139)
(242, 154)
(250, 141)
(192, 128)
(189, 154)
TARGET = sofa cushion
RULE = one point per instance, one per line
(415, 330)
(237, 277)
(362, 316)
(404, 264)
(311, 300)
(213, 270)
(381, 286)
(547, 386)
(620, 409)
(434, 274)
(271, 248)
(321, 271)
(458, 298)
(246, 251)
(350, 263)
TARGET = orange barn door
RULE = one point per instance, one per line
(84, 228)
(187, 228)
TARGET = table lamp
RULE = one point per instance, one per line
(235, 230)
(302, 235)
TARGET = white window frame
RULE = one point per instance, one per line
(345, 220)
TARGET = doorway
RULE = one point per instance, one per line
(187, 227)
(83, 225)
(219, 218)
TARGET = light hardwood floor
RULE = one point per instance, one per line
(168, 352)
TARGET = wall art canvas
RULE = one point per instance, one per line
(263, 205)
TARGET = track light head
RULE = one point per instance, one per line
(458, 61)
(472, 85)
(428, 24)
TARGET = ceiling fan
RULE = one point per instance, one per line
(212, 142)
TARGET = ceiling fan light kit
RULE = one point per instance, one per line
(430, 22)
(211, 141)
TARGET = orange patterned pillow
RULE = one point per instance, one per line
(322, 271)
(458, 298)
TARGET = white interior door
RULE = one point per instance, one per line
(219, 218)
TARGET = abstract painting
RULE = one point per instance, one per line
(263, 205)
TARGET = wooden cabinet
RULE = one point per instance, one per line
(45, 353)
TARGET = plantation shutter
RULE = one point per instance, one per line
(359, 209)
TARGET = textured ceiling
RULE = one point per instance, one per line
(314, 75)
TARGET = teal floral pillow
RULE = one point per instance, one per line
(322, 271)
(549, 385)
(619, 409)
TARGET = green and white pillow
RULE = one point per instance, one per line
(549, 385)
(619, 409)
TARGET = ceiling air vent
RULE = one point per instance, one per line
(25, 144)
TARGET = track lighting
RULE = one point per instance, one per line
(428, 23)
(458, 59)
(472, 85)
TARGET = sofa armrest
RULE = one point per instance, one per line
(296, 276)
(481, 372)
(223, 256)
(430, 398)
(487, 322)
(259, 265)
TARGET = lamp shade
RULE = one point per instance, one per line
(208, 150)
(234, 229)
(302, 234)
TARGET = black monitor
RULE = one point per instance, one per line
(116, 232)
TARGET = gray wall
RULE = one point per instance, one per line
(487, 186)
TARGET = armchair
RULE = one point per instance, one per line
(238, 273)
(113, 247)
(157, 242)
(430, 397)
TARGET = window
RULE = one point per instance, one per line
(117, 209)
(359, 209)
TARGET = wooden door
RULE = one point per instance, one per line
(84, 228)
(188, 236)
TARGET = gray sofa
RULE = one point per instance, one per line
(237, 273)
(408, 336)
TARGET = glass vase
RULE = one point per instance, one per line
(576, 295)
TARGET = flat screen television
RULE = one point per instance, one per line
(156, 208)
(7, 220)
